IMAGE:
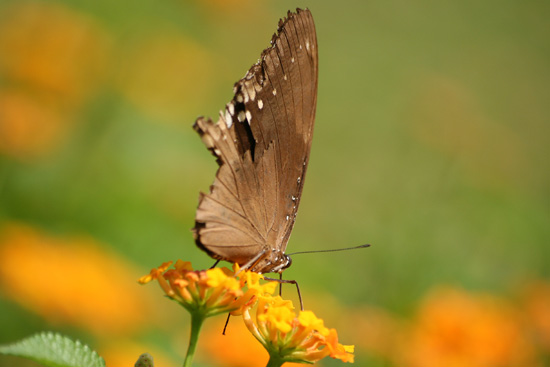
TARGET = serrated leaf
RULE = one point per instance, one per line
(54, 350)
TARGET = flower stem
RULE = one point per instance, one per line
(197, 319)
(274, 361)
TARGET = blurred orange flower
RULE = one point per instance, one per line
(537, 307)
(52, 58)
(28, 127)
(238, 348)
(70, 280)
(164, 75)
(375, 330)
(455, 329)
(47, 46)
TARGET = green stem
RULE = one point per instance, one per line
(275, 361)
(197, 319)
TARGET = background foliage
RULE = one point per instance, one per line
(431, 143)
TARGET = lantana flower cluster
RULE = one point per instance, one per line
(210, 292)
(287, 336)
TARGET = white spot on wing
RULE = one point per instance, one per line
(274, 91)
(307, 45)
(240, 116)
(260, 104)
(292, 60)
(248, 116)
(240, 98)
(252, 92)
(228, 119)
(231, 108)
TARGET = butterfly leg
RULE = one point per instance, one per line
(286, 281)
(226, 322)
(280, 285)
(215, 264)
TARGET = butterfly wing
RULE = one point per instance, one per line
(262, 142)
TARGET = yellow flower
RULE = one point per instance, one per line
(206, 293)
(155, 273)
(237, 348)
(209, 292)
(290, 338)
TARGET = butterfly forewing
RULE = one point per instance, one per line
(262, 142)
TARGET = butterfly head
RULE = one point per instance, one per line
(285, 262)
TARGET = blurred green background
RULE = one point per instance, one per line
(431, 143)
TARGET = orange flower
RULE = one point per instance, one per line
(164, 92)
(71, 281)
(377, 331)
(29, 127)
(291, 338)
(537, 307)
(209, 292)
(52, 60)
(206, 293)
(52, 48)
(237, 348)
(456, 329)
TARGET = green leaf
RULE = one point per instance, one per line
(54, 350)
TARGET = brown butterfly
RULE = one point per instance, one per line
(262, 143)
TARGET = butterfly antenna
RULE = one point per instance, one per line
(334, 250)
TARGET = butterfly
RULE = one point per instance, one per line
(262, 142)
